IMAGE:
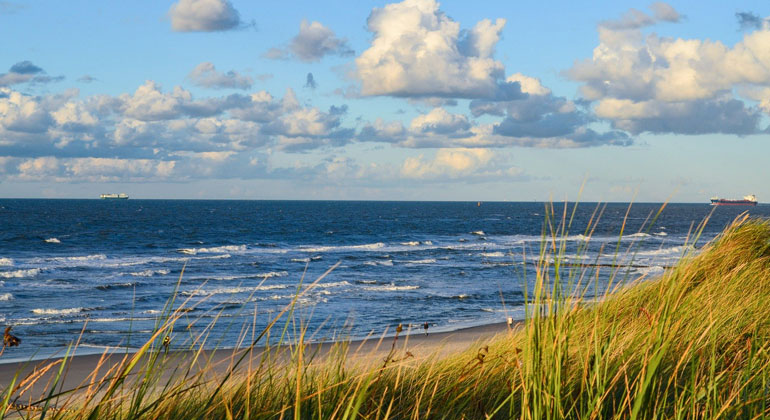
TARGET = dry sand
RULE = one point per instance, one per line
(373, 350)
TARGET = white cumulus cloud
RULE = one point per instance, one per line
(418, 51)
(205, 74)
(644, 82)
(203, 16)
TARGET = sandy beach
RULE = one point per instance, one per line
(80, 369)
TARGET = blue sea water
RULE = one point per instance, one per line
(108, 267)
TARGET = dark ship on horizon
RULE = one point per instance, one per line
(748, 200)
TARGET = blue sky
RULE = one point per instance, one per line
(412, 100)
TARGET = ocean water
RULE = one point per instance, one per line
(107, 268)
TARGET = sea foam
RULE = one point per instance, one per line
(31, 272)
(48, 311)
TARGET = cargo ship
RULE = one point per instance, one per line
(120, 196)
(749, 200)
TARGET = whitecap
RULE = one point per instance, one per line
(386, 263)
(213, 250)
(674, 250)
(662, 234)
(149, 273)
(48, 311)
(637, 235)
(332, 284)
(31, 272)
(478, 232)
(5, 297)
(53, 241)
(6, 262)
(649, 271)
(423, 261)
(493, 254)
(252, 276)
(410, 243)
(364, 247)
(390, 288)
(231, 290)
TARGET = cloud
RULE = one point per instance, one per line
(206, 75)
(313, 42)
(458, 163)
(87, 79)
(7, 7)
(203, 16)
(310, 81)
(418, 51)
(550, 123)
(26, 72)
(643, 82)
(636, 19)
(438, 121)
(25, 67)
(751, 21)
(665, 12)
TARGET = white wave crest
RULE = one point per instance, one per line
(232, 290)
(410, 243)
(649, 271)
(662, 234)
(387, 263)
(53, 241)
(492, 254)
(6, 262)
(31, 272)
(47, 311)
(364, 247)
(80, 259)
(307, 260)
(424, 261)
(5, 297)
(213, 250)
(672, 251)
(251, 276)
(478, 232)
(390, 288)
(638, 235)
(332, 284)
(149, 273)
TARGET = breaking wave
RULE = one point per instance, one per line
(423, 261)
(53, 241)
(30, 272)
(149, 273)
(364, 247)
(5, 297)
(232, 290)
(390, 288)
(6, 262)
(47, 311)
(213, 250)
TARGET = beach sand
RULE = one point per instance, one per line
(372, 351)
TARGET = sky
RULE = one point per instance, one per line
(370, 100)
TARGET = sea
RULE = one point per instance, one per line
(101, 271)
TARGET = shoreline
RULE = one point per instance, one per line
(417, 343)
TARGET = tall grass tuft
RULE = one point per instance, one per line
(693, 343)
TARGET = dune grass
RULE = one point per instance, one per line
(693, 343)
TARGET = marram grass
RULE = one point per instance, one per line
(691, 344)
